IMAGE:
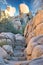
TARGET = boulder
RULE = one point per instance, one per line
(37, 51)
(9, 35)
(20, 40)
(34, 27)
(2, 61)
(7, 38)
(3, 53)
(23, 9)
(38, 61)
(17, 25)
(19, 37)
(37, 31)
(8, 49)
(38, 18)
(38, 40)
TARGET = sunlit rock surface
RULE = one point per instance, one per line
(37, 51)
(35, 41)
(23, 8)
(34, 27)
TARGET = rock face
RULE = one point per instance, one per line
(34, 35)
(37, 51)
(34, 27)
(23, 8)
(34, 42)
(38, 61)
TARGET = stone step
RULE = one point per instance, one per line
(18, 58)
(17, 51)
(19, 48)
(19, 62)
(19, 54)
(19, 43)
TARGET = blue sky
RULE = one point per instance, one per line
(32, 4)
(15, 3)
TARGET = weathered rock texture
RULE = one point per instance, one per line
(23, 8)
(34, 27)
(7, 38)
(34, 42)
(34, 36)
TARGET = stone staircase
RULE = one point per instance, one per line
(19, 52)
(19, 55)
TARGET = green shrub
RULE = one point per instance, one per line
(6, 25)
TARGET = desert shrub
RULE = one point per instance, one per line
(6, 25)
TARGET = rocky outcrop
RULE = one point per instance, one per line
(35, 41)
(34, 27)
(34, 36)
(37, 51)
(23, 8)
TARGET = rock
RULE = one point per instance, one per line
(2, 61)
(38, 18)
(20, 40)
(37, 51)
(34, 27)
(9, 35)
(19, 54)
(23, 8)
(19, 37)
(8, 49)
(19, 62)
(37, 31)
(3, 53)
(28, 31)
(17, 25)
(19, 48)
(38, 40)
(38, 61)
(7, 38)
(18, 58)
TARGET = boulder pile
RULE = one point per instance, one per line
(12, 47)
